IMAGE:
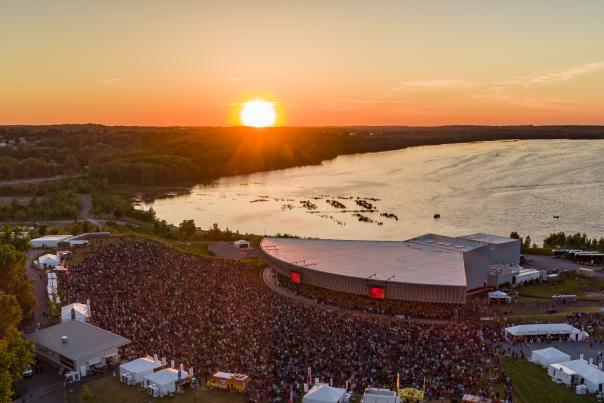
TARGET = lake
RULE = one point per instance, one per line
(494, 187)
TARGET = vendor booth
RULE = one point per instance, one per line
(163, 383)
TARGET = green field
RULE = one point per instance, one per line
(579, 286)
(111, 390)
(531, 384)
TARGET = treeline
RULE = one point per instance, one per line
(56, 205)
(30, 167)
(150, 156)
(16, 303)
(560, 240)
(112, 205)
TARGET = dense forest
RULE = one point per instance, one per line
(16, 301)
(151, 156)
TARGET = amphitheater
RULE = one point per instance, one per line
(429, 268)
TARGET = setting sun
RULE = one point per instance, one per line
(258, 113)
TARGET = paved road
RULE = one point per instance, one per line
(38, 278)
(85, 211)
(228, 251)
(549, 263)
(27, 181)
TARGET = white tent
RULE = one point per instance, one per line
(241, 244)
(578, 371)
(547, 329)
(323, 393)
(81, 312)
(135, 371)
(47, 261)
(162, 383)
(499, 295)
(548, 356)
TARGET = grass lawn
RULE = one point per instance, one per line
(578, 286)
(531, 384)
(111, 390)
(199, 248)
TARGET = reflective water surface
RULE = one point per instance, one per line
(494, 187)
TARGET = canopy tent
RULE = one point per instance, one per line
(323, 393)
(547, 356)
(499, 295)
(162, 383)
(547, 329)
(135, 371)
(47, 261)
(75, 311)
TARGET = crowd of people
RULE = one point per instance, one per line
(214, 314)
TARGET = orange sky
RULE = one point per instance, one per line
(323, 62)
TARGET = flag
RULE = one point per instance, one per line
(309, 376)
(291, 394)
(398, 381)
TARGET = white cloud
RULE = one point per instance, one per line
(112, 81)
(434, 84)
(555, 76)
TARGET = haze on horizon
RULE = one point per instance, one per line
(323, 63)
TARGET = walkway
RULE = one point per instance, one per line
(38, 278)
(271, 282)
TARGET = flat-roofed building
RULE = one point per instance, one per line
(77, 346)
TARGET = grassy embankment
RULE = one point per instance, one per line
(583, 287)
(531, 384)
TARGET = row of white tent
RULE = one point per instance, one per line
(547, 329)
(562, 369)
(158, 383)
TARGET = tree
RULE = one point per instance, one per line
(188, 228)
(514, 235)
(42, 229)
(215, 232)
(527, 242)
(16, 353)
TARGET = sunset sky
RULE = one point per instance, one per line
(322, 62)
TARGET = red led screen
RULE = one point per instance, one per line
(376, 292)
(295, 277)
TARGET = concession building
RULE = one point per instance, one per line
(429, 268)
(77, 346)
